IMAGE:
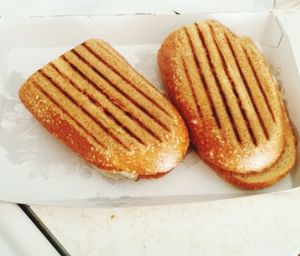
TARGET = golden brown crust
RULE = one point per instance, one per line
(273, 174)
(277, 171)
(59, 124)
(226, 94)
(97, 104)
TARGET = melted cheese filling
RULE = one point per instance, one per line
(119, 175)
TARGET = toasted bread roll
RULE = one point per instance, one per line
(226, 95)
(91, 99)
(273, 174)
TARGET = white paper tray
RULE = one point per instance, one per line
(36, 168)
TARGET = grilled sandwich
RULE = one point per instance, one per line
(91, 99)
(228, 97)
(273, 174)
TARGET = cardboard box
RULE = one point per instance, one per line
(37, 169)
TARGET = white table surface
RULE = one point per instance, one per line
(258, 225)
(18, 235)
(253, 226)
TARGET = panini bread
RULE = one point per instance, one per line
(91, 99)
(230, 102)
(272, 174)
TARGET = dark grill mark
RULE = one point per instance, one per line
(233, 86)
(186, 73)
(142, 125)
(42, 91)
(83, 110)
(136, 104)
(110, 115)
(260, 85)
(124, 78)
(247, 86)
(227, 109)
(96, 102)
(113, 101)
(202, 78)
